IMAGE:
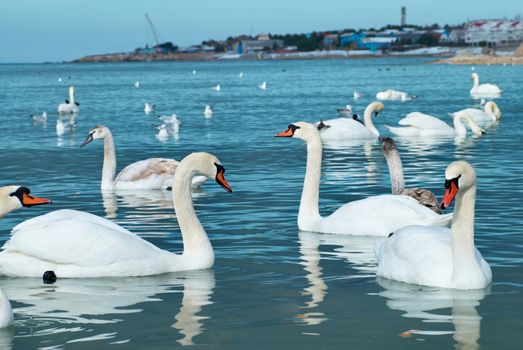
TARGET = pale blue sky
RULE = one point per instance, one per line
(56, 30)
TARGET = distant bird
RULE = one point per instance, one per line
(483, 90)
(394, 95)
(194, 71)
(137, 84)
(171, 122)
(148, 108)
(208, 112)
(59, 79)
(357, 95)
(70, 106)
(241, 75)
(263, 86)
(162, 133)
(346, 111)
(39, 118)
(217, 87)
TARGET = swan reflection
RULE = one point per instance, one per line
(420, 302)
(48, 309)
(357, 250)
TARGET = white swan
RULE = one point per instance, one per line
(439, 257)
(152, 173)
(217, 88)
(394, 95)
(13, 198)
(490, 113)
(346, 128)
(263, 86)
(483, 90)
(148, 108)
(419, 124)
(70, 106)
(208, 112)
(373, 216)
(78, 244)
(421, 195)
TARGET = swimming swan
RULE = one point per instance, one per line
(394, 95)
(421, 195)
(147, 174)
(490, 113)
(372, 216)
(438, 256)
(13, 198)
(483, 90)
(70, 106)
(419, 124)
(347, 128)
(77, 244)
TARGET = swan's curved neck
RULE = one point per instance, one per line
(476, 81)
(71, 96)
(195, 241)
(367, 120)
(109, 167)
(309, 207)
(395, 170)
(463, 249)
(459, 128)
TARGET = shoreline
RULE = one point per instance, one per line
(480, 60)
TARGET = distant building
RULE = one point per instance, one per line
(457, 36)
(330, 41)
(494, 32)
(254, 46)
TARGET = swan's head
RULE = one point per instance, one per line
(98, 132)
(375, 107)
(16, 197)
(206, 164)
(301, 130)
(459, 176)
(474, 76)
(492, 108)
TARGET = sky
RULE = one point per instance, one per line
(62, 30)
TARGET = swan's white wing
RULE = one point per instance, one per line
(148, 167)
(344, 128)
(379, 216)
(73, 238)
(416, 254)
(423, 121)
(478, 115)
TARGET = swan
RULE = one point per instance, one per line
(420, 124)
(11, 199)
(216, 88)
(346, 128)
(490, 113)
(162, 133)
(436, 256)
(394, 95)
(208, 112)
(86, 245)
(263, 86)
(147, 174)
(372, 216)
(421, 195)
(148, 108)
(70, 106)
(483, 90)
(42, 118)
(357, 95)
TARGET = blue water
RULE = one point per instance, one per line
(271, 286)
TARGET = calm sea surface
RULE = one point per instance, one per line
(272, 286)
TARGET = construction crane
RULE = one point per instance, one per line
(153, 30)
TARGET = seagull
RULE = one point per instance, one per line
(207, 112)
(59, 79)
(241, 75)
(194, 71)
(357, 95)
(216, 88)
(263, 86)
(148, 108)
(171, 121)
(137, 84)
(347, 110)
(39, 118)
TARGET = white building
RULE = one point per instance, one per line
(494, 32)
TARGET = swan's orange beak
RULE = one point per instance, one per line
(221, 179)
(286, 133)
(451, 189)
(30, 201)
